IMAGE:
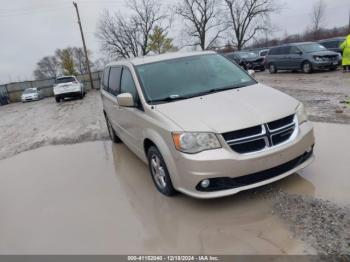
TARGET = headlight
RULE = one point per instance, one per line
(317, 58)
(301, 114)
(195, 142)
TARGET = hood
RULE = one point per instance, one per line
(30, 95)
(229, 110)
(324, 53)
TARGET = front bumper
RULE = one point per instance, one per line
(189, 170)
(27, 99)
(324, 65)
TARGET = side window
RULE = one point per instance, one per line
(105, 79)
(128, 84)
(114, 80)
(294, 50)
(284, 50)
(274, 51)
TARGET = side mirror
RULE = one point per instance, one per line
(251, 73)
(125, 100)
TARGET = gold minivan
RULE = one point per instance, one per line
(204, 126)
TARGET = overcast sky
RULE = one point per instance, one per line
(31, 29)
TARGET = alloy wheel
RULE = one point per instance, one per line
(158, 172)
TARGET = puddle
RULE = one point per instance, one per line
(330, 173)
(98, 198)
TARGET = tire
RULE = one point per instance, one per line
(112, 134)
(159, 172)
(333, 68)
(272, 68)
(57, 99)
(306, 67)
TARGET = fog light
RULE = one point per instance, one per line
(205, 183)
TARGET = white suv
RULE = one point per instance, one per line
(68, 86)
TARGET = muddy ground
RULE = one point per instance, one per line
(105, 203)
(26, 126)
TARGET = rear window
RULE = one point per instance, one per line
(62, 80)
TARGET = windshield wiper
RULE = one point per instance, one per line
(211, 91)
(216, 90)
(169, 98)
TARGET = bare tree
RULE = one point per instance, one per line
(147, 16)
(203, 21)
(80, 60)
(127, 37)
(318, 17)
(118, 36)
(248, 17)
(48, 67)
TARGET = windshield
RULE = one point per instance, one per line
(190, 76)
(247, 54)
(65, 80)
(29, 91)
(310, 48)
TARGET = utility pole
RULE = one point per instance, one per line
(84, 45)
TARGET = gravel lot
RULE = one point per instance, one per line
(26, 126)
(323, 93)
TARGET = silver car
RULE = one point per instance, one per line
(31, 94)
(203, 125)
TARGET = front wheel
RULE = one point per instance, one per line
(307, 67)
(159, 172)
(57, 99)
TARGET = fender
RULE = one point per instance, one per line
(164, 149)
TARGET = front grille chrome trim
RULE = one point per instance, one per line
(248, 138)
(268, 135)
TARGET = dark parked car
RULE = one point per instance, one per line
(333, 44)
(4, 98)
(307, 56)
(247, 60)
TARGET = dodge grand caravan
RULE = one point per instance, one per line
(203, 125)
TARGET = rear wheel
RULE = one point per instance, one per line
(112, 134)
(307, 67)
(159, 172)
(272, 68)
(57, 99)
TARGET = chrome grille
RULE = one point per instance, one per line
(263, 136)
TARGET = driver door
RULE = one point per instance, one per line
(131, 118)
